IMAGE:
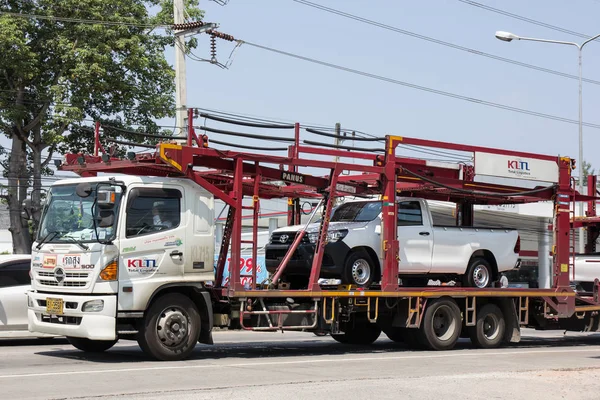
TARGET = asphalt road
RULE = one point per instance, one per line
(246, 365)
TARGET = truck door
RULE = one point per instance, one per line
(415, 236)
(151, 237)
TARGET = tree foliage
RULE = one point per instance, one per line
(587, 170)
(60, 71)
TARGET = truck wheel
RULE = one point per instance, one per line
(358, 270)
(362, 333)
(91, 346)
(489, 329)
(479, 273)
(340, 338)
(396, 334)
(441, 324)
(170, 328)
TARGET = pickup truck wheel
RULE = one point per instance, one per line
(479, 273)
(171, 328)
(91, 346)
(489, 329)
(358, 270)
(441, 324)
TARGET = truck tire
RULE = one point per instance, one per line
(441, 324)
(396, 334)
(91, 346)
(361, 333)
(170, 328)
(488, 332)
(479, 273)
(359, 269)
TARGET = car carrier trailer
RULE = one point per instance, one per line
(82, 285)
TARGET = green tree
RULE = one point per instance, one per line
(587, 170)
(60, 71)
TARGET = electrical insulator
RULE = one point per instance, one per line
(213, 49)
(204, 141)
(188, 25)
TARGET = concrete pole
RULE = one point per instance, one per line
(180, 73)
(273, 224)
(544, 264)
(338, 139)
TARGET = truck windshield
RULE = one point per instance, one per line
(357, 212)
(68, 217)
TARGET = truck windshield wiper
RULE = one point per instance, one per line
(51, 235)
(77, 242)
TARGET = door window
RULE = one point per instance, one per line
(152, 210)
(14, 274)
(409, 213)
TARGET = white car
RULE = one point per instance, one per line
(14, 284)
(353, 254)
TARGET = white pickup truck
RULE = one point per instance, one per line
(587, 270)
(477, 256)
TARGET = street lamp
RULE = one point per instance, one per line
(507, 37)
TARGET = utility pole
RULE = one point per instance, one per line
(180, 76)
(338, 138)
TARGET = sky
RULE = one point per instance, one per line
(263, 83)
(274, 86)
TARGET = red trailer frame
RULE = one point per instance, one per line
(232, 176)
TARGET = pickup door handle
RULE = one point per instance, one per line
(424, 233)
(176, 253)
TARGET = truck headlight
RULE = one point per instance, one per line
(93, 306)
(334, 236)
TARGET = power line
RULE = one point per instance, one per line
(423, 88)
(83, 21)
(441, 42)
(521, 18)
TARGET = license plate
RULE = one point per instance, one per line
(54, 306)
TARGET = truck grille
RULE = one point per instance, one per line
(71, 279)
(63, 320)
(277, 238)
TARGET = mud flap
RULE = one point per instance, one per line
(206, 318)
(513, 328)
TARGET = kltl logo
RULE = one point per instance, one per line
(519, 165)
(141, 263)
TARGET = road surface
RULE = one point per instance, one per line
(246, 365)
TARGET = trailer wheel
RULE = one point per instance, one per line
(441, 324)
(362, 333)
(171, 328)
(489, 329)
(91, 346)
(358, 269)
(479, 273)
(396, 334)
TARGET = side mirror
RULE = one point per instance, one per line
(105, 218)
(83, 189)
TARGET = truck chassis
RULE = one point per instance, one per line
(428, 317)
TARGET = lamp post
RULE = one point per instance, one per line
(507, 37)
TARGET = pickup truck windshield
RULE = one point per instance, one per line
(68, 217)
(357, 212)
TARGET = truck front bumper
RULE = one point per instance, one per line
(300, 263)
(73, 321)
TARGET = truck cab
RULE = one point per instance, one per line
(107, 246)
